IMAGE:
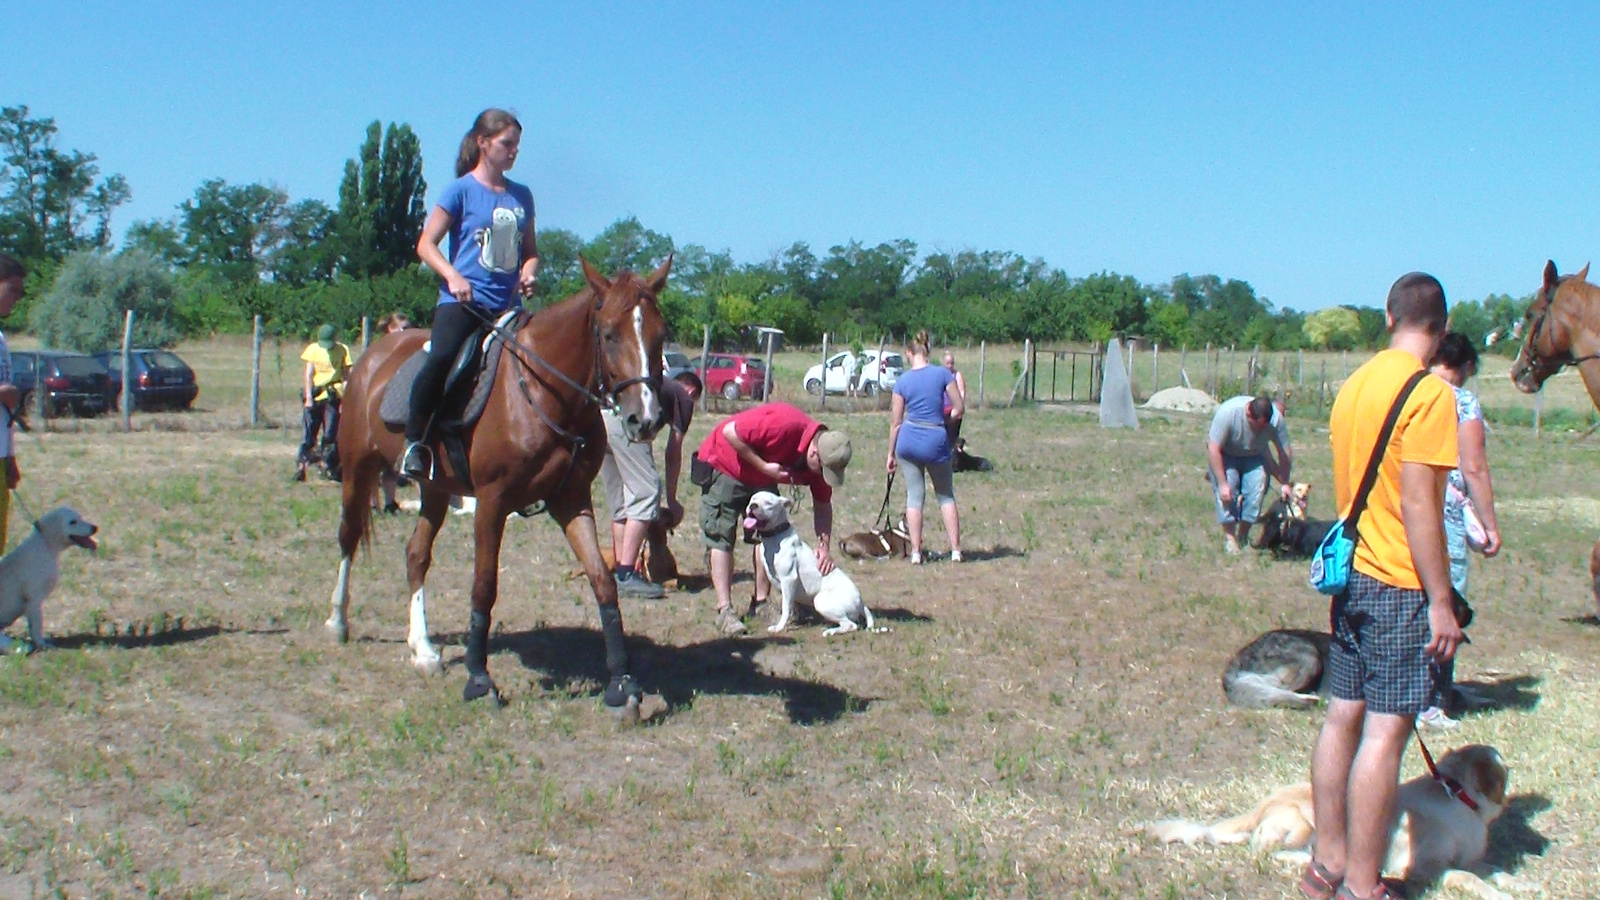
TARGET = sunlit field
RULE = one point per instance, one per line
(196, 734)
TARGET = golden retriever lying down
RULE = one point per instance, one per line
(1436, 835)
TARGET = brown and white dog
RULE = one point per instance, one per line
(879, 543)
(1437, 835)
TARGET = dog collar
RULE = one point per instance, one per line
(1451, 786)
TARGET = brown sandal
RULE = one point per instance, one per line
(1382, 892)
(1318, 883)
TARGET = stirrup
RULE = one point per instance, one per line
(416, 460)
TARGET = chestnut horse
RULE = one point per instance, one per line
(540, 438)
(1561, 329)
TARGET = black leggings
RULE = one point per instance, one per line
(452, 327)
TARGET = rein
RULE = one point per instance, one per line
(1450, 785)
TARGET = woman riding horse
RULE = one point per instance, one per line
(538, 439)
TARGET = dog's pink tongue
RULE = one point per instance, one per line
(86, 541)
(750, 522)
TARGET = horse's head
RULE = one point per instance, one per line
(1547, 329)
(630, 331)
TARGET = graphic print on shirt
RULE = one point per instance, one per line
(499, 245)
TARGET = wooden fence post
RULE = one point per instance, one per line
(127, 354)
(822, 392)
(255, 374)
(982, 347)
(1155, 367)
(705, 354)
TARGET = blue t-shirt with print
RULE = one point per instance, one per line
(486, 238)
(922, 437)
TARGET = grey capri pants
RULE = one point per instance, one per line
(943, 481)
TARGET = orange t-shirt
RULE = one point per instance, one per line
(1425, 433)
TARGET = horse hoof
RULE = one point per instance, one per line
(621, 690)
(628, 713)
(340, 631)
(429, 665)
(480, 685)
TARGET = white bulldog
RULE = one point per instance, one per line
(792, 568)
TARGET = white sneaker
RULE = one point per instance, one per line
(916, 557)
(1434, 719)
(955, 556)
(1231, 546)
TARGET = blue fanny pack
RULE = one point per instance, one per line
(1335, 557)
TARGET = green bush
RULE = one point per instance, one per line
(84, 309)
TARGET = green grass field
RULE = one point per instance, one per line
(196, 734)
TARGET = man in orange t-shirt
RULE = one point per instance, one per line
(1397, 617)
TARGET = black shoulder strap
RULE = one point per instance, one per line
(1367, 480)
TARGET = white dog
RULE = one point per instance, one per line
(29, 573)
(1438, 833)
(792, 568)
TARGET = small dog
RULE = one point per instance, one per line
(1437, 835)
(656, 562)
(880, 543)
(1287, 531)
(792, 568)
(29, 573)
(963, 461)
(1279, 668)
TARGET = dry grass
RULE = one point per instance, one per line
(197, 735)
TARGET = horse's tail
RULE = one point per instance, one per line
(355, 521)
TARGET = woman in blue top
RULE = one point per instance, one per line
(492, 264)
(919, 445)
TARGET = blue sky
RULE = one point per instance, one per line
(1317, 151)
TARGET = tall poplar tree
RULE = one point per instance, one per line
(381, 203)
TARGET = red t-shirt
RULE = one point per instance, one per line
(778, 433)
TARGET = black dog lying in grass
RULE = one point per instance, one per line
(1287, 532)
(963, 461)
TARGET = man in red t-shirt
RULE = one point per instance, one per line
(757, 450)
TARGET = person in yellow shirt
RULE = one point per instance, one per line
(327, 362)
(1397, 617)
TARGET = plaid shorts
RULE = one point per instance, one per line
(1376, 657)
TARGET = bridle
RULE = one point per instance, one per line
(1551, 364)
(604, 395)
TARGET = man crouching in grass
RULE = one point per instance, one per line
(1238, 465)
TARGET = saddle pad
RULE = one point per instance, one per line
(395, 407)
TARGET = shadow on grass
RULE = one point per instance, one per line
(1591, 621)
(1504, 692)
(1000, 551)
(1511, 838)
(572, 659)
(166, 638)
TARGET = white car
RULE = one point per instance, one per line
(864, 372)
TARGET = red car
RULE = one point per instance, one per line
(734, 376)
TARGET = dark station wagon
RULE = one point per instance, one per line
(160, 380)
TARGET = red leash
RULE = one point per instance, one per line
(1450, 785)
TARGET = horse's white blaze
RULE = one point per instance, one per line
(338, 621)
(647, 398)
(423, 654)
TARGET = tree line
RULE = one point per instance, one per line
(234, 251)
